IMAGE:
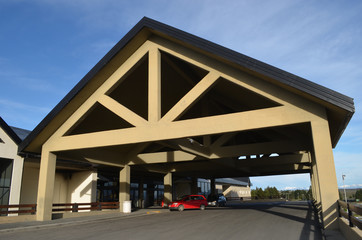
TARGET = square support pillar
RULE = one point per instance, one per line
(167, 182)
(154, 85)
(312, 185)
(315, 183)
(140, 194)
(324, 173)
(194, 188)
(124, 186)
(212, 186)
(46, 186)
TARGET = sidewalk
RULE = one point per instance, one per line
(21, 226)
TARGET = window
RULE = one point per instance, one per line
(6, 168)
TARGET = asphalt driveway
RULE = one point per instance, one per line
(238, 221)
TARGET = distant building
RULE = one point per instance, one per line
(11, 164)
(234, 188)
(19, 174)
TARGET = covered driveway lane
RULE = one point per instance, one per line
(294, 220)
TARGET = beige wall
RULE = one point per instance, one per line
(61, 183)
(349, 233)
(233, 191)
(78, 187)
(29, 184)
(9, 150)
(82, 187)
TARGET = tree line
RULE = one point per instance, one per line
(352, 194)
(274, 193)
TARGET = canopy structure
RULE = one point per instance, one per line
(165, 101)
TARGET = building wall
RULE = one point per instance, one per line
(181, 189)
(231, 191)
(9, 150)
(29, 186)
(82, 187)
(76, 187)
(61, 183)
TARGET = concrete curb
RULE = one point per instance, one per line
(84, 221)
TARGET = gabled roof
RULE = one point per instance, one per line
(317, 92)
(16, 134)
(22, 133)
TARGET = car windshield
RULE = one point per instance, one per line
(182, 198)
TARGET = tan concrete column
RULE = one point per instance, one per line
(194, 188)
(124, 185)
(46, 186)
(94, 187)
(314, 176)
(167, 182)
(325, 173)
(140, 194)
(212, 186)
(312, 185)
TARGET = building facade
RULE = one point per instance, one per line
(11, 164)
(164, 104)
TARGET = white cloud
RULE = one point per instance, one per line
(24, 82)
(350, 165)
(298, 181)
(351, 186)
(23, 107)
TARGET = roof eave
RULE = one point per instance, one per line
(251, 64)
(81, 84)
(10, 132)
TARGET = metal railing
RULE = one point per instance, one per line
(348, 211)
(58, 207)
(75, 207)
(21, 208)
(317, 207)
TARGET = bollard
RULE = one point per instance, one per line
(75, 207)
(34, 210)
(349, 216)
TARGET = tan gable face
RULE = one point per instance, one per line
(166, 102)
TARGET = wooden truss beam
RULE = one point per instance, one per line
(97, 156)
(189, 146)
(154, 85)
(262, 118)
(161, 157)
(293, 163)
(191, 97)
(122, 111)
(256, 149)
(302, 158)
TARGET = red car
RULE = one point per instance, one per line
(189, 202)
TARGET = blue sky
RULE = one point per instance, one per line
(47, 46)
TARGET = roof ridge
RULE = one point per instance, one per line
(284, 77)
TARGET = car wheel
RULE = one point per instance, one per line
(202, 207)
(180, 208)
